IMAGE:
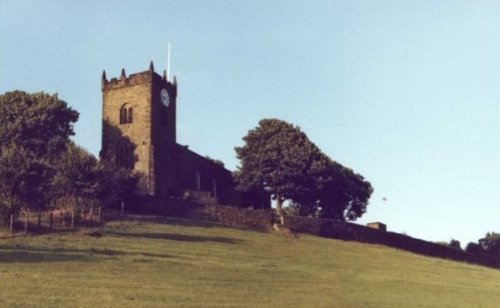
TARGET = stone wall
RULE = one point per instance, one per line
(353, 232)
(186, 208)
(237, 217)
(263, 219)
(134, 92)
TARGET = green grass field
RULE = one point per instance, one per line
(152, 262)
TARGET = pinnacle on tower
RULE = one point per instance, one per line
(151, 67)
(175, 81)
(104, 81)
(164, 74)
(123, 74)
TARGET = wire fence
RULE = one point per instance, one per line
(58, 220)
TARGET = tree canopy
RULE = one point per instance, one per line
(76, 172)
(38, 123)
(39, 163)
(279, 158)
(80, 176)
(489, 244)
(34, 131)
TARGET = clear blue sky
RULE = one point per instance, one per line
(404, 92)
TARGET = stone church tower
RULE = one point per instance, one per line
(139, 133)
(139, 126)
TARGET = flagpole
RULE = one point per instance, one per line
(168, 62)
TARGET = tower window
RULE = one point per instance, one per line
(126, 114)
(125, 153)
(130, 115)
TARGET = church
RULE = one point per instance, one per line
(139, 133)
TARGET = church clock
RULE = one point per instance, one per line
(165, 98)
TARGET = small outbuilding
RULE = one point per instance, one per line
(377, 225)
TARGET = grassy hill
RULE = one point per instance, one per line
(167, 262)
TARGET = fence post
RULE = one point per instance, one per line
(39, 221)
(99, 215)
(26, 222)
(91, 213)
(11, 225)
(122, 209)
(51, 220)
(73, 218)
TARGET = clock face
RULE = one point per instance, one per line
(165, 98)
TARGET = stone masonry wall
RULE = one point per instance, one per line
(137, 96)
(238, 217)
(352, 232)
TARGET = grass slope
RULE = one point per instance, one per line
(167, 262)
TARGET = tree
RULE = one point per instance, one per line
(473, 248)
(115, 183)
(279, 158)
(276, 157)
(344, 195)
(80, 176)
(39, 123)
(24, 181)
(455, 244)
(34, 131)
(490, 244)
(77, 175)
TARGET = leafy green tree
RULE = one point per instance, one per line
(455, 244)
(473, 248)
(301, 209)
(276, 157)
(39, 123)
(345, 194)
(34, 131)
(25, 182)
(77, 175)
(80, 176)
(490, 244)
(279, 158)
(115, 183)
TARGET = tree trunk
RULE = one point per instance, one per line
(11, 225)
(26, 222)
(279, 205)
(39, 221)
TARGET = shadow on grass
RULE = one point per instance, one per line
(175, 221)
(178, 237)
(110, 252)
(26, 254)
(185, 222)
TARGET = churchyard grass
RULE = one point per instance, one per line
(152, 261)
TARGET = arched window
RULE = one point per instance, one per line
(126, 114)
(123, 115)
(125, 154)
(130, 115)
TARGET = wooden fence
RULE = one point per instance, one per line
(58, 220)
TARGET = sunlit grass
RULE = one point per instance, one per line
(168, 262)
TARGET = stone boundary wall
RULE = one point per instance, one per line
(262, 220)
(236, 217)
(353, 232)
